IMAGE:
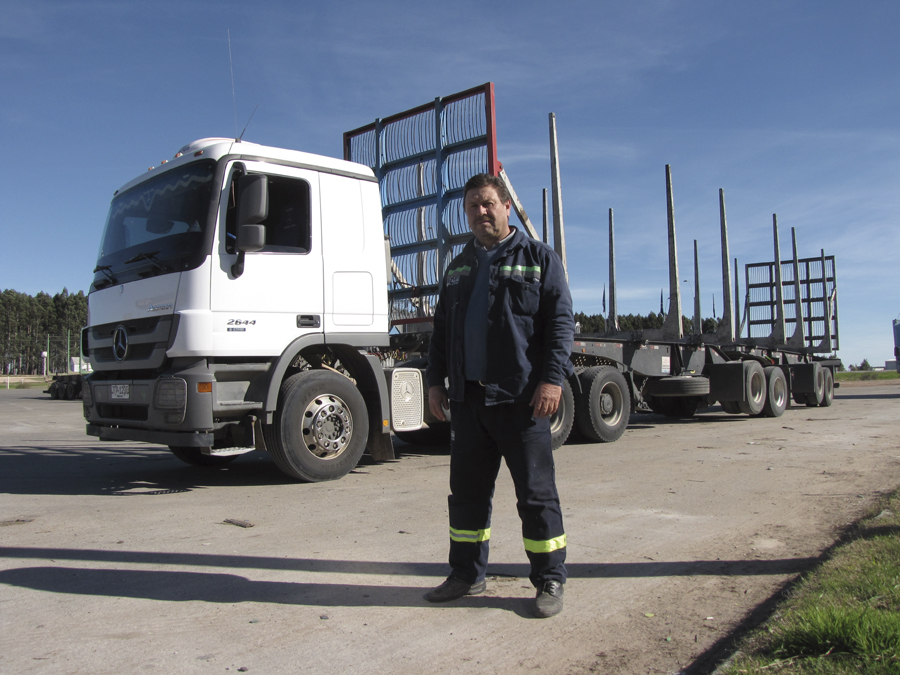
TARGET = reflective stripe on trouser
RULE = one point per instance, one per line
(482, 435)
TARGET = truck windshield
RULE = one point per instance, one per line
(154, 226)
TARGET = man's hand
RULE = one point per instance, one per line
(437, 401)
(546, 399)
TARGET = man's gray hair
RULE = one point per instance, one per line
(483, 180)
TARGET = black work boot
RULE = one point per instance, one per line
(549, 600)
(454, 589)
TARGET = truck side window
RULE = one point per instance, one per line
(287, 227)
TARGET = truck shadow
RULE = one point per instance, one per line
(125, 471)
(222, 587)
(842, 395)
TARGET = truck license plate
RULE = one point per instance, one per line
(120, 392)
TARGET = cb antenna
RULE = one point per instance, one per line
(233, 99)
(248, 123)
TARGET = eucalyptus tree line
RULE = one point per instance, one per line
(31, 324)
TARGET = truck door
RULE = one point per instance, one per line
(278, 296)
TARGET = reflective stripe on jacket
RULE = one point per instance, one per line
(530, 322)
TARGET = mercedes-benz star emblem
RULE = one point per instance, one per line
(120, 343)
(406, 391)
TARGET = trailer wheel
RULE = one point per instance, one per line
(755, 386)
(70, 391)
(776, 392)
(604, 406)
(681, 385)
(828, 391)
(731, 407)
(53, 390)
(817, 397)
(320, 427)
(562, 421)
(195, 456)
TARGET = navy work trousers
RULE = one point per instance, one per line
(481, 436)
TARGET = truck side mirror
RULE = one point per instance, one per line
(253, 199)
(251, 238)
(253, 208)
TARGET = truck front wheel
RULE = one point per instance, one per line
(320, 427)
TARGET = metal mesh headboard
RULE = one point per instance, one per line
(818, 300)
(423, 158)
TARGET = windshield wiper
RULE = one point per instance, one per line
(149, 257)
(106, 272)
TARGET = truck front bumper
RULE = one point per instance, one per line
(173, 409)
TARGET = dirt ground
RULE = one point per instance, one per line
(117, 558)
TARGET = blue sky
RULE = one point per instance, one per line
(790, 107)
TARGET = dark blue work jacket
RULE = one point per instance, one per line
(530, 323)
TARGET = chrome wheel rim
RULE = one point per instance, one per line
(327, 426)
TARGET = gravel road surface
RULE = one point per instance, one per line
(118, 558)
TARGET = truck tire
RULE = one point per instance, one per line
(604, 406)
(731, 407)
(320, 428)
(562, 421)
(70, 391)
(681, 385)
(676, 407)
(755, 387)
(828, 392)
(53, 390)
(818, 396)
(776, 392)
(195, 456)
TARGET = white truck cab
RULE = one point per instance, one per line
(240, 302)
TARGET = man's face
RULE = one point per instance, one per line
(488, 216)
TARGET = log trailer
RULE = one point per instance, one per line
(255, 298)
(423, 157)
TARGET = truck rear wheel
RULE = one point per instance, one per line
(776, 392)
(604, 406)
(676, 407)
(755, 388)
(562, 421)
(320, 427)
(828, 392)
(195, 456)
(817, 397)
(731, 407)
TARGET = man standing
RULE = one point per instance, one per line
(503, 331)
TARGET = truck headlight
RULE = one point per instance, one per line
(171, 397)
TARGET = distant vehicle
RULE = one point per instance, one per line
(897, 343)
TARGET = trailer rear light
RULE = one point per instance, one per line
(204, 387)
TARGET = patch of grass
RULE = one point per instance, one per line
(27, 384)
(844, 617)
(862, 375)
